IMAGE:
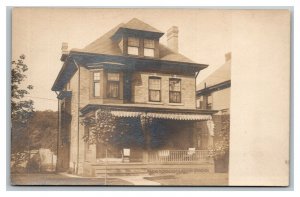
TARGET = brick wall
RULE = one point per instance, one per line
(140, 90)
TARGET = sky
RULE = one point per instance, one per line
(204, 37)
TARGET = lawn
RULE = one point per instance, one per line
(204, 179)
(58, 179)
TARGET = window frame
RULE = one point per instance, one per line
(145, 47)
(108, 82)
(149, 90)
(172, 91)
(209, 105)
(133, 46)
(96, 81)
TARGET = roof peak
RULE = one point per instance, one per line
(137, 24)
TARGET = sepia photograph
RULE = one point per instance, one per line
(142, 97)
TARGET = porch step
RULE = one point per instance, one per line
(121, 172)
(144, 169)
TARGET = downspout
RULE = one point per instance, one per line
(58, 132)
(196, 88)
(78, 110)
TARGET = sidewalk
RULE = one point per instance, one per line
(135, 180)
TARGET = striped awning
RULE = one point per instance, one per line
(170, 116)
(128, 114)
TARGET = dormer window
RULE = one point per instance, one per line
(133, 46)
(148, 48)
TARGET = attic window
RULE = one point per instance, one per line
(148, 48)
(133, 46)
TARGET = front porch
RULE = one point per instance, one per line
(153, 143)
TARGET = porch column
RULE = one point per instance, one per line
(145, 123)
(211, 133)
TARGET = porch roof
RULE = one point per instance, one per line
(169, 116)
(131, 110)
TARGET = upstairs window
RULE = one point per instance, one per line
(148, 48)
(133, 46)
(175, 91)
(154, 89)
(96, 84)
(209, 102)
(201, 103)
(113, 85)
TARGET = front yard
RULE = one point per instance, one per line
(59, 180)
(200, 179)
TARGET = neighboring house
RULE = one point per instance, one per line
(130, 73)
(214, 91)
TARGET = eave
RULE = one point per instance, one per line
(121, 62)
(214, 88)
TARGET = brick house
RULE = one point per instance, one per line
(129, 73)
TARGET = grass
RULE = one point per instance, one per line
(59, 180)
(200, 179)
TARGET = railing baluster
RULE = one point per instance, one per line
(175, 156)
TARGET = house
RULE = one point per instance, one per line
(130, 74)
(214, 93)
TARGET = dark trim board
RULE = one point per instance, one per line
(214, 88)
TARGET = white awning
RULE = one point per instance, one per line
(170, 116)
(125, 113)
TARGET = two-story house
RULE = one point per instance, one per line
(128, 72)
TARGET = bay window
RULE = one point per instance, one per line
(96, 84)
(113, 85)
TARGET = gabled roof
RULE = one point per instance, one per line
(106, 45)
(222, 74)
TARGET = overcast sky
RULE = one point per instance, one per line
(204, 37)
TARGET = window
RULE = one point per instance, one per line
(113, 84)
(209, 101)
(96, 84)
(175, 91)
(201, 105)
(148, 48)
(133, 46)
(154, 89)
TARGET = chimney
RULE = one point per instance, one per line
(227, 57)
(64, 51)
(64, 48)
(172, 36)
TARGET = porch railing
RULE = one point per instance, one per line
(178, 156)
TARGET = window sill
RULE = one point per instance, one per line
(176, 104)
(155, 103)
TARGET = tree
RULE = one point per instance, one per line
(43, 130)
(110, 130)
(101, 128)
(219, 151)
(21, 111)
